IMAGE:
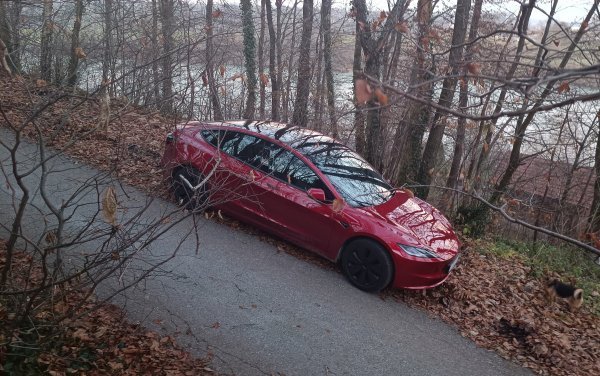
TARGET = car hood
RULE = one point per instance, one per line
(418, 224)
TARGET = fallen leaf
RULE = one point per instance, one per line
(109, 205)
(338, 205)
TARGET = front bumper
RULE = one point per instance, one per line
(421, 274)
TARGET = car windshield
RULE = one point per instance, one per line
(358, 183)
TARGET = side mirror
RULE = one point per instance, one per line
(317, 194)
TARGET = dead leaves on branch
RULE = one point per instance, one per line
(364, 93)
(80, 53)
(402, 27)
(264, 79)
(109, 205)
(564, 87)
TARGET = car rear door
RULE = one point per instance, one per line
(233, 180)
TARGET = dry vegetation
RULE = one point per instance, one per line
(99, 342)
(495, 300)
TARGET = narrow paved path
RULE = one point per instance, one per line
(260, 311)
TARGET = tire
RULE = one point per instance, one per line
(367, 265)
(184, 195)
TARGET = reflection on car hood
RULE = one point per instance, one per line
(420, 223)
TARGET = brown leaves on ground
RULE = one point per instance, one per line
(131, 147)
(99, 343)
(498, 304)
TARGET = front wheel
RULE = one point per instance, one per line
(186, 190)
(367, 265)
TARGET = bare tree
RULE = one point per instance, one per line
(249, 57)
(46, 41)
(261, 62)
(436, 133)
(300, 116)
(168, 29)
(411, 127)
(459, 145)
(328, 69)
(373, 46)
(77, 52)
(524, 121)
(210, 74)
(10, 14)
(274, 72)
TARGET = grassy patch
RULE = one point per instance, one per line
(569, 264)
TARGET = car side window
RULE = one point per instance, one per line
(291, 169)
(268, 158)
(229, 142)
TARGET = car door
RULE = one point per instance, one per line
(302, 219)
(232, 180)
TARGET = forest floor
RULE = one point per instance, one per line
(494, 297)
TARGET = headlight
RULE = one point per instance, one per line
(418, 252)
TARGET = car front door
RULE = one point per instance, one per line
(302, 219)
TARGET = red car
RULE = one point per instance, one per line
(313, 191)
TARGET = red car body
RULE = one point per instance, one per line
(419, 240)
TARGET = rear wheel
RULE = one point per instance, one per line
(367, 265)
(186, 190)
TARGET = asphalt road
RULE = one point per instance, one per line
(257, 310)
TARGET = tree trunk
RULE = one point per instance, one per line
(459, 145)
(168, 28)
(317, 73)
(274, 73)
(328, 70)
(436, 134)
(286, 96)
(359, 116)
(9, 34)
(46, 41)
(300, 116)
(261, 63)
(411, 128)
(76, 51)
(489, 127)
(156, 52)
(249, 57)
(594, 217)
(210, 74)
(279, 80)
(372, 48)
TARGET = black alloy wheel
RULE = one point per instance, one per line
(367, 265)
(185, 195)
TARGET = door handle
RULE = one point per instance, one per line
(271, 186)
